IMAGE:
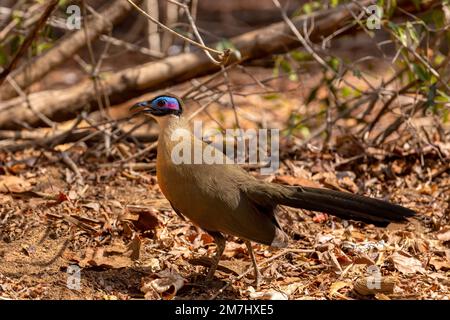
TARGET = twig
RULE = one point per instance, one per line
(153, 37)
(140, 153)
(37, 68)
(196, 33)
(130, 46)
(222, 54)
(275, 257)
(69, 162)
(203, 108)
(28, 40)
(227, 80)
(187, 93)
(387, 104)
(22, 94)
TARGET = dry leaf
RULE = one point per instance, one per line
(17, 167)
(153, 264)
(14, 184)
(292, 288)
(114, 257)
(381, 296)
(269, 295)
(440, 263)
(233, 248)
(349, 184)
(320, 217)
(166, 285)
(236, 266)
(444, 234)
(144, 218)
(335, 287)
(293, 181)
(135, 247)
(406, 264)
(329, 180)
(342, 258)
(92, 205)
(362, 258)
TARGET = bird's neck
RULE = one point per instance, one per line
(171, 127)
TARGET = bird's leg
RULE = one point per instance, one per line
(220, 244)
(255, 266)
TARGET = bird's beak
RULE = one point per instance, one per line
(141, 107)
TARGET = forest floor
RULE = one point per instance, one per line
(114, 223)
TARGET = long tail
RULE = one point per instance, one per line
(345, 205)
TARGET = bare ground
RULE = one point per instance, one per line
(116, 225)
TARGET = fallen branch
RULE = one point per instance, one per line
(31, 72)
(122, 85)
(57, 137)
(28, 40)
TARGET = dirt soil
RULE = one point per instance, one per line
(114, 224)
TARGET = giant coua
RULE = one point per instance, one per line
(225, 199)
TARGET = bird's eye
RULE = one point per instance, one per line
(161, 103)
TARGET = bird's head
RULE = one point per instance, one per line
(160, 106)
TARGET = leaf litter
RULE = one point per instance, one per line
(123, 235)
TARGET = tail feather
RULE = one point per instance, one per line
(346, 205)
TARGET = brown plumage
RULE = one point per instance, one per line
(225, 199)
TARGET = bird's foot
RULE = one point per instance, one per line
(258, 279)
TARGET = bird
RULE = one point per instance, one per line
(224, 199)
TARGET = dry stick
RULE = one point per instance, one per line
(376, 94)
(106, 132)
(308, 47)
(129, 132)
(14, 22)
(28, 40)
(21, 135)
(45, 139)
(31, 72)
(65, 134)
(171, 15)
(207, 93)
(302, 40)
(422, 60)
(196, 33)
(193, 12)
(254, 44)
(186, 94)
(132, 47)
(93, 71)
(257, 81)
(323, 127)
(46, 142)
(215, 97)
(69, 162)
(431, 143)
(222, 54)
(22, 94)
(387, 104)
(9, 139)
(278, 255)
(230, 93)
(140, 153)
(153, 37)
(381, 137)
